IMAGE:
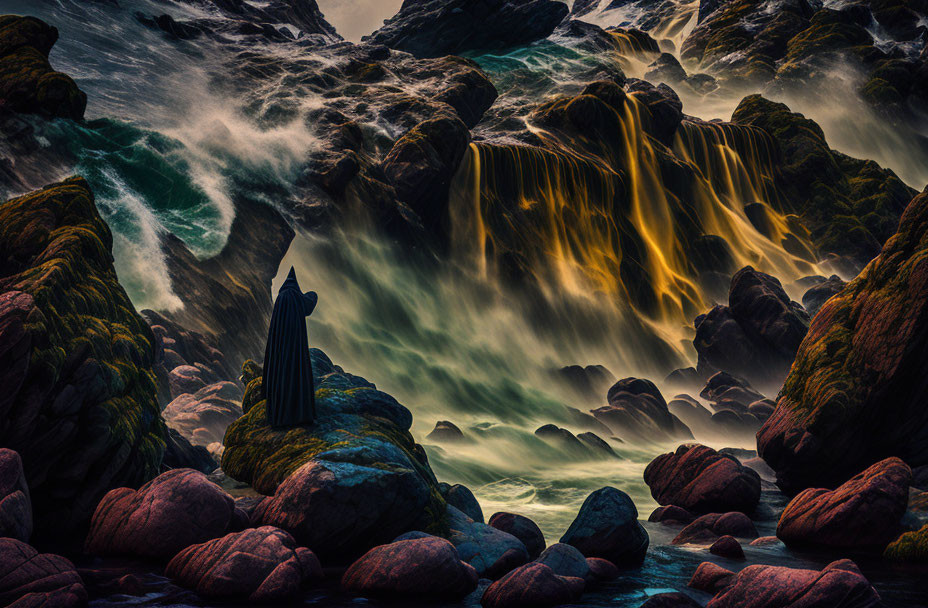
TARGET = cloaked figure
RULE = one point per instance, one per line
(288, 373)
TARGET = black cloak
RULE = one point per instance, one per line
(288, 373)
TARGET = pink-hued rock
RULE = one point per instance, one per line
(863, 512)
(426, 567)
(259, 564)
(708, 528)
(601, 569)
(177, 509)
(522, 528)
(15, 507)
(839, 585)
(671, 515)
(700, 480)
(727, 546)
(765, 541)
(29, 579)
(533, 584)
(203, 417)
(710, 578)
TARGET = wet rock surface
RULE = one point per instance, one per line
(607, 527)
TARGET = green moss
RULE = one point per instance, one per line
(910, 547)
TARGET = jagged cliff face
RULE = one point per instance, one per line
(79, 398)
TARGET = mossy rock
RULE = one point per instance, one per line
(78, 390)
(27, 81)
(910, 547)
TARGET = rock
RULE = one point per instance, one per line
(601, 569)
(560, 437)
(79, 397)
(909, 547)
(15, 507)
(817, 295)
(693, 414)
(565, 560)
(522, 528)
(727, 546)
(671, 600)
(839, 584)
(637, 409)
(671, 515)
(489, 550)
(586, 421)
(460, 497)
(764, 541)
(710, 578)
(864, 512)
(596, 445)
(589, 382)
(433, 28)
(204, 416)
(260, 564)
(352, 480)
(757, 335)
(28, 578)
(666, 68)
(445, 432)
(861, 362)
(607, 527)
(663, 104)
(700, 480)
(706, 529)
(533, 584)
(173, 511)
(27, 81)
(416, 568)
(180, 454)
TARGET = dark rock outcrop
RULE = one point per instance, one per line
(590, 381)
(565, 560)
(864, 512)
(671, 515)
(607, 527)
(28, 578)
(416, 568)
(173, 511)
(27, 81)
(707, 529)
(15, 506)
(533, 584)
(817, 295)
(491, 551)
(700, 480)
(258, 565)
(840, 585)
(78, 395)
(636, 408)
(856, 392)
(522, 528)
(181, 454)
(432, 28)
(460, 497)
(445, 432)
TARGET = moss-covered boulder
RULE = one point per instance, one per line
(356, 467)
(910, 547)
(77, 390)
(27, 81)
(850, 206)
(856, 392)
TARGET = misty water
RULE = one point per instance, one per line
(167, 152)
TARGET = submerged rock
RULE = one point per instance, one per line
(28, 578)
(173, 511)
(864, 512)
(533, 584)
(840, 585)
(77, 388)
(607, 527)
(855, 393)
(432, 28)
(15, 506)
(700, 480)
(671, 600)
(522, 528)
(260, 564)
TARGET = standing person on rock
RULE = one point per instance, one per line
(288, 375)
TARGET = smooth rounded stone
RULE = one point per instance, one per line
(259, 564)
(839, 585)
(419, 567)
(186, 379)
(445, 431)
(30, 579)
(727, 546)
(607, 526)
(699, 479)
(565, 560)
(707, 528)
(522, 528)
(342, 509)
(691, 412)
(590, 381)
(15, 506)
(460, 497)
(530, 585)
(864, 512)
(671, 600)
(601, 569)
(765, 541)
(490, 551)
(169, 513)
(636, 408)
(204, 416)
(710, 578)
(671, 515)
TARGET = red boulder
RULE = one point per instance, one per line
(708, 528)
(29, 579)
(531, 585)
